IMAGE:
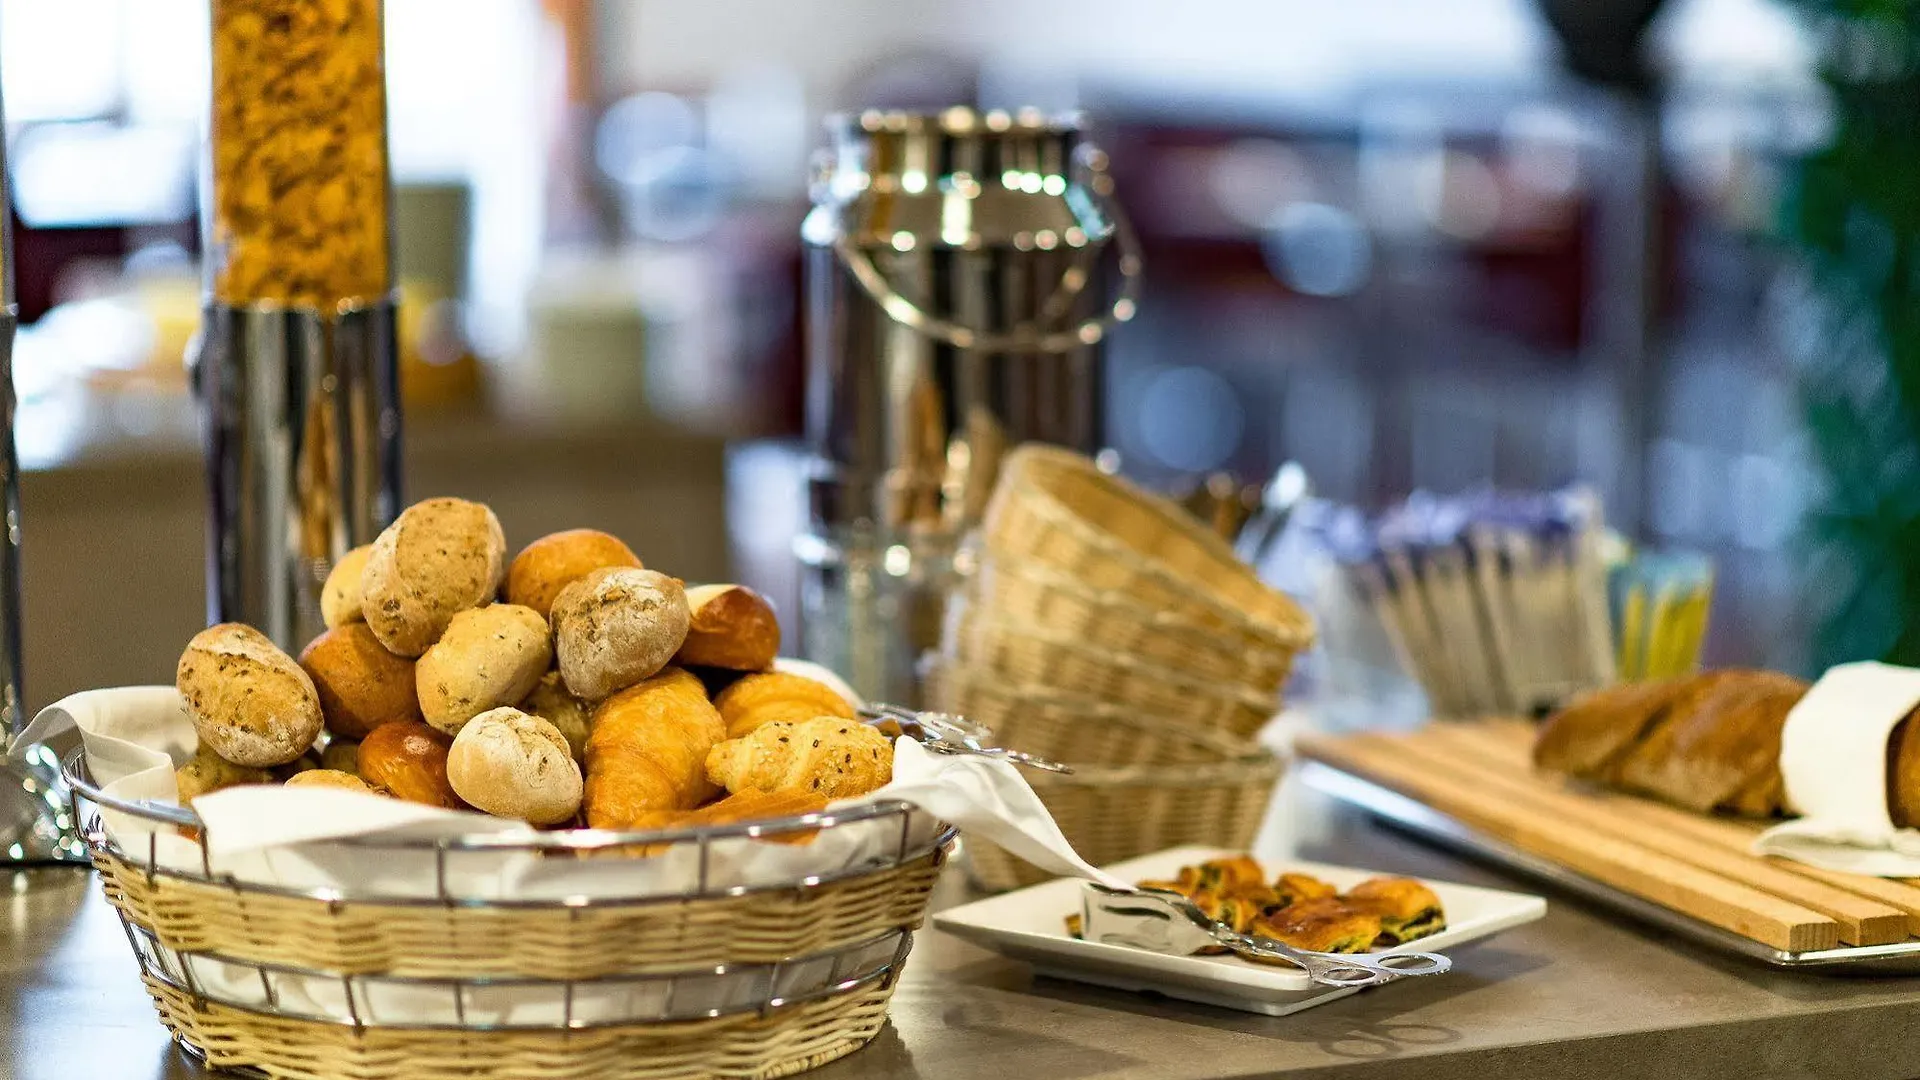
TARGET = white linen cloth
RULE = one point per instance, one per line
(1833, 757)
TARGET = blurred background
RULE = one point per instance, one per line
(1407, 244)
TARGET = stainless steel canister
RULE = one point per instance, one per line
(303, 454)
(962, 273)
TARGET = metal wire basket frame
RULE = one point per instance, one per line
(871, 962)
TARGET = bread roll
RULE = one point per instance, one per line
(515, 766)
(304, 763)
(729, 626)
(828, 756)
(340, 596)
(615, 627)
(557, 560)
(775, 697)
(438, 558)
(207, 771)
(361, 685)
(551, 702)
(647, 751)
(408, 760)
(341, 755)
(250, 702)
(488, 657)
(330, 778)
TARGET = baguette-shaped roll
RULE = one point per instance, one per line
(647, 752)
(731, 627)
(828, 756)
(777, 697)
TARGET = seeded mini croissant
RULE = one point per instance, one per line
(834, 757)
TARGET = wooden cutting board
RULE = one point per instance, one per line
(1481, 774)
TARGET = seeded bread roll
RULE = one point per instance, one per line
(489, 657)
(208, 771)
(250, 702)
(557, 560)
(515, 766)
(439, 557)
(551, 702)
(407, 759)
(330, 778)
(361, 684)
(730, 626)
(340, 596)
(615, 627)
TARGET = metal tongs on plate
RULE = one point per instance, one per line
(1168, 923)
(945, 733)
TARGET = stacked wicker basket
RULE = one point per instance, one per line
(1101, 626)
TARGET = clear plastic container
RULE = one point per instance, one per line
(298, 192)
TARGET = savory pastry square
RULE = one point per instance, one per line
(1407, 909)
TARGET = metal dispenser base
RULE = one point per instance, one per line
(303, 454)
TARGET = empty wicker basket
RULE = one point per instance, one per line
(1112, 814)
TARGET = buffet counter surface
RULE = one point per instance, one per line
(1577, 994)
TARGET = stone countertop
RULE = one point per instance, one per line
(1578, 994)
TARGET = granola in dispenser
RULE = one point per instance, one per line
(299, 191)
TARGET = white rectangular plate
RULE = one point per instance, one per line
(1030, 925)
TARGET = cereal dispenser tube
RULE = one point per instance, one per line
(296, 362)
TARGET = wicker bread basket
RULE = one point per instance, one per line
(1056, 508)
(1036, 657)
(1035, 594)
(1047, 722)
(753, 982)
(1112, 814)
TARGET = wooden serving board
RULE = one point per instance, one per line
(1481, 774)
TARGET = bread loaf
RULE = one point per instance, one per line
(615, 627)
(557, 560)
(207, 771)
(408, 760)
(361, 685)
(488, 657)
(1707, 742)
(340, 596)
(729, 626)
(438, 558)
(330, 778)
(551, 702)
(776, 697)
(647, 751)
(250, 702)
(827, 756)
(516, 766)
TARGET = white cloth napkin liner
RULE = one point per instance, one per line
(1833, 757)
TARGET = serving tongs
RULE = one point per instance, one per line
(1169, 923)
(946, 733)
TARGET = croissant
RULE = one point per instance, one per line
(647, 751)
(1709, 742)
(749, 805)
(773, 696)
(827, 755)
